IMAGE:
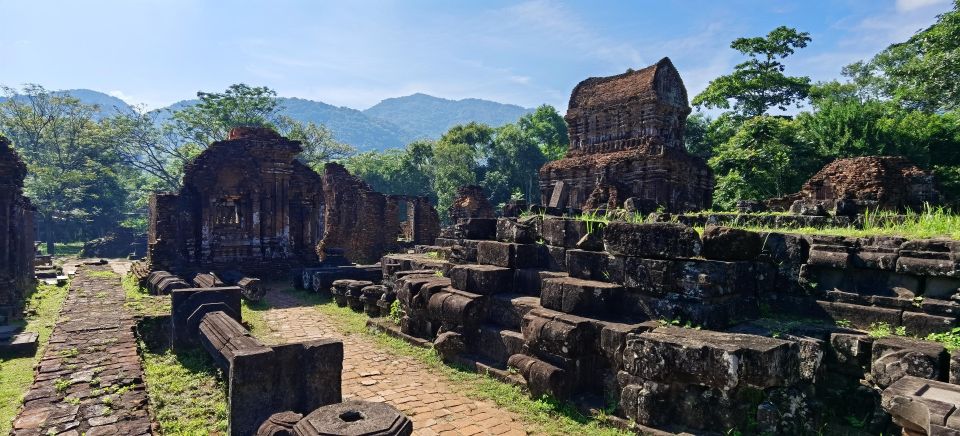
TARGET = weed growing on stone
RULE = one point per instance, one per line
(42, 306)
(396, 312)
(950, 340)
(103, 274)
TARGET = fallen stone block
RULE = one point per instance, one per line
(542, 378)
(189, 305)
(858, 316)
(251, 288)
(896, 357)
(477, 228)
(355, 417)
(519, 231)
(923, 406)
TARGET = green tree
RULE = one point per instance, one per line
(758, 84)
(922, 72)
(319, 145)
(514, 164)
(211, 119)
(74, 179)
(548, 128)
(764, 159)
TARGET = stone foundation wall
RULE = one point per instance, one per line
(762, 332)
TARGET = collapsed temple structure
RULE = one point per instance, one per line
(16, 232)
(853, 185)
(247, 203)
(626, 141)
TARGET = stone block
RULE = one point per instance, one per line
(580, 297)
(859, 316)
(713, 359)
(556, 258)
(589, 265)
(730, 244)
(509, 255)
(851, 350)
(653, 240)
(482, 279)
(355, 417)
(521, 232)
(542, 378)
(507, 310)
(941, 287)
(456, 308)
(930, 257)
(831, 256)
(188, 305)
(922, 406)
(498, 344)
(549, 332)
(712, 314)
(528, 281)
(895, 357)
(563, 232)
(477, 228)
(940, 307)
(922, 324)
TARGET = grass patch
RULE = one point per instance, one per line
(63, 249)
(16, 374)
(140, 302)
(545, 415)
(932, 222)
(187, 392)
(103, 274)
(252, 315)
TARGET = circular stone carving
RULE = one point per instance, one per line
(355, 418)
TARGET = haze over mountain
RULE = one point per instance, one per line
(392, 123)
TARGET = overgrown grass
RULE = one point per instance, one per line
(252, 315)
(63, 249)
(16, 374)
(103, 274)
(140, 302)
(187, 392)
(932, 222)
(544, 415)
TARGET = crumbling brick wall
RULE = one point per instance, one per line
(869, 182)
(628, 129)
(16, 228)
(358, 219)
(471, 202)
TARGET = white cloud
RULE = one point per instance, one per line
(909, 5)
(127, 98)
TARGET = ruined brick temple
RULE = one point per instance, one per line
(626, 141)
(16, 229)
(852, 185)
(247, 203)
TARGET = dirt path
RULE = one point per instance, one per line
(376, 374)
(90, 380)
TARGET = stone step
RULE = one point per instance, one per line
(8, 311)
(22, 344)
(507, 310)
(8, 331)
(496, 344)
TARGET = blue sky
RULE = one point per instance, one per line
(356, 53)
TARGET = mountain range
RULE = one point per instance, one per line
(392, 123)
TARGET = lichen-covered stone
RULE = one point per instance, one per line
(651, 240)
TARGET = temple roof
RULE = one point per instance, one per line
(650, 83)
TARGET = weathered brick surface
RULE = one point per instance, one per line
(372, 373)
(90, 380)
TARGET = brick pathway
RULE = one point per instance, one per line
(375, 374)
(89, 380)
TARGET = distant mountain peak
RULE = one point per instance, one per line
(392, 123)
